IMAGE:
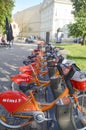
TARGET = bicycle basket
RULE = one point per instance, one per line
(79, 80)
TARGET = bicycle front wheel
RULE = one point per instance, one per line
(82, 102)
(9, 121)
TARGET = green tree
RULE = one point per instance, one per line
(78, 29)
(6, 7)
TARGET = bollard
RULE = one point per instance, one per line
(50, 63)
(56, 86)
(64, 116)
(51, 71)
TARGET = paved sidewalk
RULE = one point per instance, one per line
(11, 59)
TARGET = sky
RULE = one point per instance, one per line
(23, 4)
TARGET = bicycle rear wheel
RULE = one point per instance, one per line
(82, 102)
(9, 121)
(80, 117)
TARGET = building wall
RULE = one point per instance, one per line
(62, 16)
(29, 21)
(15, 28)
(55, 15)
(48, 16)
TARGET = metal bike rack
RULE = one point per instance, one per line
(64, 117)
(63, 112)
(50, 63)
(56, 86)
(51, 71)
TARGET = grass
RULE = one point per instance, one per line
(77, 53)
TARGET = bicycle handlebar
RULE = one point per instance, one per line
(68, 76)
(32, 56)
(27, 62)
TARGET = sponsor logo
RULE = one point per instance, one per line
(23, 80)
(11, 100)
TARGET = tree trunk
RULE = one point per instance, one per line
(84, 40)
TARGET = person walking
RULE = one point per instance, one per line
(10, 37)
(3, 42)
(9, 32)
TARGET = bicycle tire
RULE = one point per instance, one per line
(82, 103)
(15, 86)
(9, 121)
(80, 117)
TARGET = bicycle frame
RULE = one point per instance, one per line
(20, 105)
(26, 78)
(28, 70)
(15, 101)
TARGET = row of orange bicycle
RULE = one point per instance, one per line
(46, 68)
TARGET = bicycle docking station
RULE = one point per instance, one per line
(64, 116)
(55, 85)
(63, 112)
(51, 71)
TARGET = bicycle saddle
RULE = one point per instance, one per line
(27, 62)
(36, 50)
(32, 56)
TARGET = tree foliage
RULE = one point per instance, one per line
(78, 5)
(78, 29)
(6, 7)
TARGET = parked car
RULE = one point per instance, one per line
(29, 40)
(78, 40)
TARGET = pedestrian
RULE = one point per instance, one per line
(10, 37)
(3, 41)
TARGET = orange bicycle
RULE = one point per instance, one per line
(15, 105)
(28, 79)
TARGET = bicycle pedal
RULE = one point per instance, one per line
(48, 119)
(39, 117)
